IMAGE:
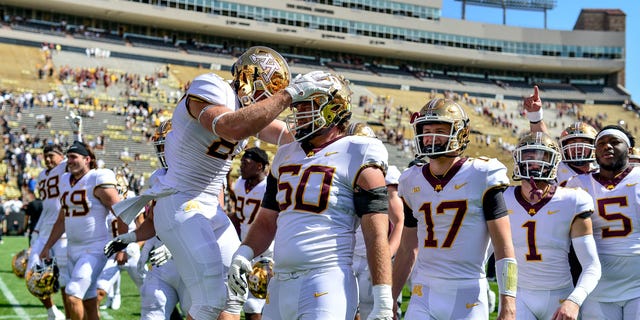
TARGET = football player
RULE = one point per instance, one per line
(634, 157)
(616, 226)
(453, 206)
(86, 197)
(49, 192)
(396, 220)
(249, 190)
(210, 125)
(576, 141)
(545, 220)
(317, 189)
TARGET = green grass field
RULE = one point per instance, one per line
(17, 303)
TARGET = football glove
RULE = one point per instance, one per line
(160, 255)
(303, 86)
(382, 303)
(235, 302)
(240, 266)
(119, 243)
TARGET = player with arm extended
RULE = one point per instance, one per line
(453, 207)
(576, 141)
(210, 125)
(616, 226)
(545, 220)
(317, 189)
(86, 197)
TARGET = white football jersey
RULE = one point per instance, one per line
(565, 172)
(541, 235)
(616, 230)
(198, 159)
(452, 229)
(317, 218)
(616, 224)
(85, 216)
(391, 178)
(247, 203)
(49, 192)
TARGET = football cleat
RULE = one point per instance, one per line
(536, 157)
(158, 141)
(321, 110)
(258, 278)
(441, 111)
(258, 73)
(19, 262)
(42, 279)
(578, 152)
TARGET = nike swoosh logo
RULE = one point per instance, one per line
(330, 153)
(552, 212)
(470, 305)
(320, 294)
(631, 184)
(458, 186)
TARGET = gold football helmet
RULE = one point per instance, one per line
(360, 129)
(578, 152)
(321, 110)
(122, 184)
(536, 156)
(258, 278)
(259, 73)
(19, 262)
(441, 111)
(158, 141)
(42, 279)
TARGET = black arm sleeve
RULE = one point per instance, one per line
(269, 199)
(493, 204)
(409, 220)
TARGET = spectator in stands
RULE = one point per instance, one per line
(32, 213)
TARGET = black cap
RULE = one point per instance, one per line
(79, 148)
(257, 155)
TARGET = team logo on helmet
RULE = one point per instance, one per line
(258, 73)
(19, 262)
(360, 129)
(258, 279)
(441, 111)
(536, 156)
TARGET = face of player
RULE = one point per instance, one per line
(436, 136)
(612, 153)
(52, 159)
(78, 164)
(576, 148)
(249, 169)
(534, 162)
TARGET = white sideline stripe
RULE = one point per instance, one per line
(12, 300)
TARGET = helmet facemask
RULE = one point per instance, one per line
(312, 117)
(158, 141)
(441, 111)
(579, 152)
(536, 157)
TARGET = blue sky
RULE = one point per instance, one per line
(563, 17)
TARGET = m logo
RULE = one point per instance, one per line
(267, 63)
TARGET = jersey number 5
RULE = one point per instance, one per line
(624, 220)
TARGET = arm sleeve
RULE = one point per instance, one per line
(269, 199)
(587, 254)
(493, 204)
(409, 220)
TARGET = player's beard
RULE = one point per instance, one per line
(616, 166)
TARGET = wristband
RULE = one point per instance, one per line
(507, 276)
(535, 116)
